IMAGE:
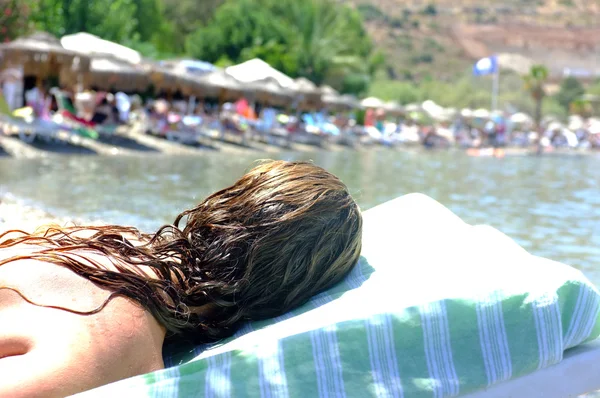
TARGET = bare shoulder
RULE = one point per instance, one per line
(58, 352)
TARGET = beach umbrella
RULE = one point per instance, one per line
(413, 108)
(41, 55)
(170, 80)
(219, 84)
(466, 113)
(481, 113)
(269, 90)
(305, 87)
(393, 108)
(372, 103)
(111, 74)
(434, 110)
(332, 98)
(341, 102)
(258, 70)
(594, 127)
(328, 91)
(555, 126)
(219, 80)
(86, 43)
(575, 122)
(307, 93)
(521, 118)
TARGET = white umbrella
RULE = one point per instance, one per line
(258, 70)
(219, 80)
(270, 90)
(413, 108)
(306, 87)
(328, 90)
(372, 102)
(575, 122)
(393, 107)
(89, 44)
(555, 126)
(433, 109)
(521, 118)
(481, 113)
(466, 112)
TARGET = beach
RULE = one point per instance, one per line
(15, 214)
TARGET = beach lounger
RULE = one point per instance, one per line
(270, 130)
(434, 308)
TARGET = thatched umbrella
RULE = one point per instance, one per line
(258, 70)
(42, 55)
(219, 84)
(169, 80)
(269, 91)
(308, 94)
(108, 73)
(85, 43)
(328, 90)
(393, 108)
(332, 99)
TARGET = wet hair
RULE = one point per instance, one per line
(282, 233)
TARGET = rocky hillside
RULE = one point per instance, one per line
(441, 38)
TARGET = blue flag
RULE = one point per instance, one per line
(486, 66)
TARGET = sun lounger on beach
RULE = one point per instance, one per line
(435, 307)
(269, 129)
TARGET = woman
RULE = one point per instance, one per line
(81, 307)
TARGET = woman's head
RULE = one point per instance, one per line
(280, 234)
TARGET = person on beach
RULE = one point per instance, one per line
(82, 307)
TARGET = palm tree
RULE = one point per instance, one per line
(534, 84)
(329, 40)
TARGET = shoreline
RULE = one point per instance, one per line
(15, 214)
(146, 145)
(133, 141)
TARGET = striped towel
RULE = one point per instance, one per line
(435, 308)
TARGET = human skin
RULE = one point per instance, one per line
(49, 352)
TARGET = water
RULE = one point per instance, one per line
(549, 204)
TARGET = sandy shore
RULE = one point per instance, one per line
(14, 214)
(133, 141)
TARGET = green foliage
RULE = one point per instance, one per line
(14, 19)
(317, 39)
(570, 90)
(422, 58)
(430, 9)
(185, 17)
(432, 45)
(113, 20)
(594, 89)
(355, 83)
(534, 83)
(466, 92)
(370, 12)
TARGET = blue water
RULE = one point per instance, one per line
(549, 204)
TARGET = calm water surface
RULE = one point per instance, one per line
(550, 205)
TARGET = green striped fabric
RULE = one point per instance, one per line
(435, 308)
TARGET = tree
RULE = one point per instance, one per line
(111, 20)
(570, 90)
(14, 16)
(534, 83)
(183, 17)
(317, 39)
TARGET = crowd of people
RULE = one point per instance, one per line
(95, 110)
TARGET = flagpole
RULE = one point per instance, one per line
(495, 88)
